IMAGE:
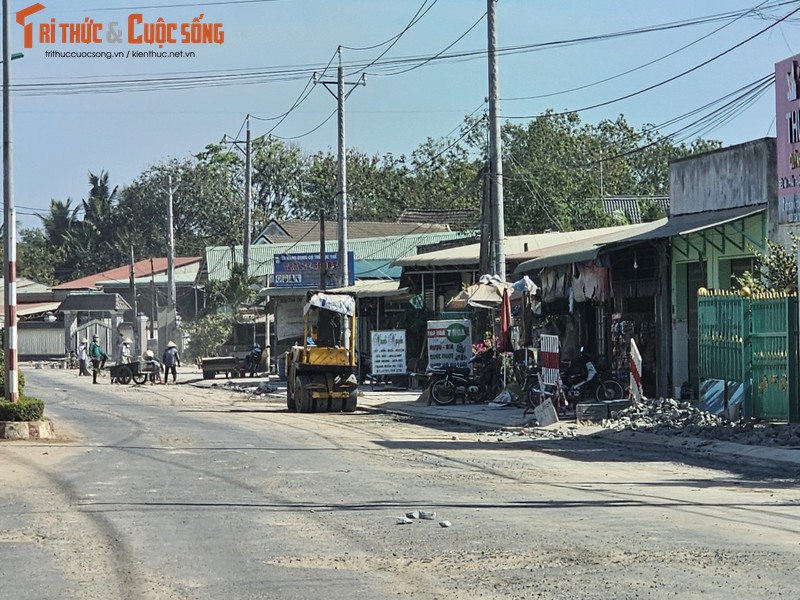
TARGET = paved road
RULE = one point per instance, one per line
(170, 493)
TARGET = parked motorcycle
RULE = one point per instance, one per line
(580, 380)
(253, 359)
(448, 384)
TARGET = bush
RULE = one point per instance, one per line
(25, 409)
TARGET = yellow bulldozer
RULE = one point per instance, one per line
(321, 372)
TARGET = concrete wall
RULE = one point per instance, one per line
(742, 175)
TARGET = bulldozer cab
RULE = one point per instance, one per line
(329, 321)
(321, 370)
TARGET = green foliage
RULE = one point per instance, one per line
(237, 291)
(207, 334)
(25, 409)
(36, 259)
(650, 210)
(775, 270)
(556, 170)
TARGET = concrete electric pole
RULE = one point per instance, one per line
(10, 216)
(171, 325)
(248, 187)
(341, 177)
(495, 151)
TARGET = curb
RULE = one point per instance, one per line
(763, 457)
(27, 430)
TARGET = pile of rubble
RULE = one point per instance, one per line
(666, 416)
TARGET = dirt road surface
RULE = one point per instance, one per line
(175, 492)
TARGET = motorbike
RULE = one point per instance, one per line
(580, 380)
(448, 384)
(253, 359)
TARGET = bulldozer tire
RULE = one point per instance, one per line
(335, 405)
(303, 400)
(290, 404)
(351, 402)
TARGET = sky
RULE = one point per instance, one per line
(73, 113)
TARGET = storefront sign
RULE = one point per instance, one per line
(449, 343)
(388, 354)
(302, 269)
(787, 103)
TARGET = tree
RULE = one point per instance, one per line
(36, 258)
(278, 170)
(208, 333)
(775, 270)
(233, 293)
(208, 205)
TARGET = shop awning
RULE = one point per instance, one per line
(678, 225)
(367, 288)
(584, 249)
(375, 288)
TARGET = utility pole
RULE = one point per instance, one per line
(9, 214)
(341, 176)
(171, 250)
(323, 265)
(171, 327)
(248, 185)
(137, 348)
(495, 150)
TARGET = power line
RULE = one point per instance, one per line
(665, 81)
(640, 67)
(290, 73)
(414, 20)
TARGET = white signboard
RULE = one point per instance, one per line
(388, 353)
(289, 319)
(449, 343)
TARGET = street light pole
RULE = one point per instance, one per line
(9, 214)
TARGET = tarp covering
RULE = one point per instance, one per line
(338, 303)
(488, 293)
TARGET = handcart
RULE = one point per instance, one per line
(125, 373)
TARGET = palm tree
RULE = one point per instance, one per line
(59, 221)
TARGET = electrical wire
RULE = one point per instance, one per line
(665, 81)
(290, 73)
(639, 68)
(414, 20)
(435, 56)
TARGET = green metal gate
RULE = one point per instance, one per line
(774, 356)
(752, 341)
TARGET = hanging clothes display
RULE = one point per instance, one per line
(555, 283)
(590, 282)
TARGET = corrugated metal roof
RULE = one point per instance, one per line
(185, 275)
(372, 289)
(374, 250)
(590, 247)
(468, 256)
(631, 206)
(95, 302)
(309, 230)
(27, 286)
(142, 268)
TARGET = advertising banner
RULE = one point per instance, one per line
(787, 127)
(302, 269)
(449, 343)
(388, 354)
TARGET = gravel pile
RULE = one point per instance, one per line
(666, 416)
